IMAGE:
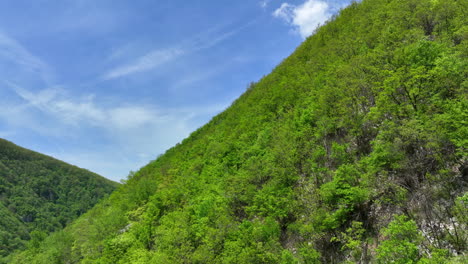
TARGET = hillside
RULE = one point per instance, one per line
(352, 150)
(39, 195)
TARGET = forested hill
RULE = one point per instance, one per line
(39, 194)
(353, 150)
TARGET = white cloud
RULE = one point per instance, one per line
(90, 131)
(159, 57)
(285, 11)
(13, 52)
(310, 15)
(131, 134)
(125, 135)
(55, 102)
(264, 3)
(213, 40)
(145, 62)
(197, 76)
(304, 18)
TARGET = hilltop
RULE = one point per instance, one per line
(39, 195)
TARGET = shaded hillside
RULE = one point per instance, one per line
(39, 195)
(352, 150)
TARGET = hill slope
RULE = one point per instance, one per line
(352, 149)
(39, 195)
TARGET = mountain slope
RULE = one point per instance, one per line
(352, 149)
(39, 195)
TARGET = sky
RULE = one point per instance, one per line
(108, 85)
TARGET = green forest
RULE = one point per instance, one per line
(352, 150)
(39, 195)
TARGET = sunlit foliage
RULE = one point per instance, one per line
(353, 148)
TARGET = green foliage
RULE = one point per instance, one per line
(309, 255)
(460, 211)
(401, 242)
(36, 238)
(345, 192)
(352, 241)
(366, 119)
(39, 195)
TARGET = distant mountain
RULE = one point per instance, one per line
(353, 150)
(39, 195)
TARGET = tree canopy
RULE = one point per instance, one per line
(352, 150)
(39, 195)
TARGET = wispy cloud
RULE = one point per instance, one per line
(11, 51)
(20, 67)
(158, 57)
(195, 78)
(198, 76)
(264, 3)
(85, 111)
(49, 101)
(135, 133)
(304, 18)
(146, 62)
(126, 135)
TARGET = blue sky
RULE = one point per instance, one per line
(108, 85)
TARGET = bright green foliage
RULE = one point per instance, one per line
(401, 242)
(345, 193)
(366, 119)
(353, 242)
(39, 194)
